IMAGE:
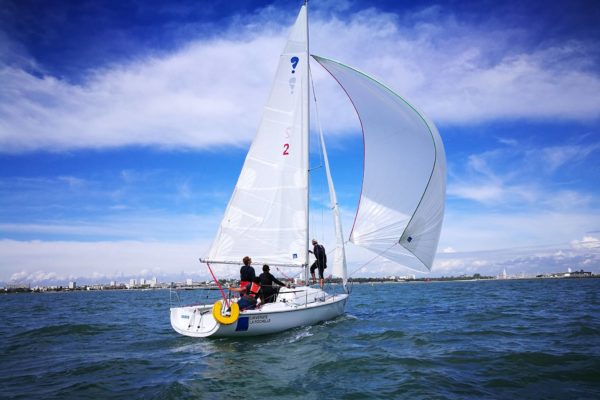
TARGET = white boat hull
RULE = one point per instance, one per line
(293, 308)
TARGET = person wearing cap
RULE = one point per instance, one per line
(266, 285)
(320, 261)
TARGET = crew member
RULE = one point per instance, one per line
(266, 285)
(320, 262)
(247, 273)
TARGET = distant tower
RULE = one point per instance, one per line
(504, 276)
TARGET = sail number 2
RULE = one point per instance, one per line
(286, 147)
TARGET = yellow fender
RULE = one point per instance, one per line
(224, 319)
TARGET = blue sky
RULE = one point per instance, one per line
(123, 126)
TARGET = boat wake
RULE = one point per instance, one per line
(303, 333)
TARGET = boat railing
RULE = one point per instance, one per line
(173, 294)
(183, 296)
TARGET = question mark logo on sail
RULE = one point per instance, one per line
(294, 61)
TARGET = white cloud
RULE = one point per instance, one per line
(66, 259)
(448, 265)
(455, 74)
(519, 261)
(588, 242)
(480, 230)
(557, 156)
(480, 263)
(72, 181)
(138, 226)
(483, 193)
(210, 92)
(512, 176)
(35, 276)
(179, 100)
(38, 261)
(508, 142)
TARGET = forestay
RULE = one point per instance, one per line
(401, 206)
(266, 217)
(339, 259)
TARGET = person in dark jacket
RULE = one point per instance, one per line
(247, 273)
(266, 285)
(320, 262)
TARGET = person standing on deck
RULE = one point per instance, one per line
(320, 262)
(247, 273)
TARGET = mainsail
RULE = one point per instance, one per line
(267, 215)
(401, 206)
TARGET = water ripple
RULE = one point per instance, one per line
(454, 340)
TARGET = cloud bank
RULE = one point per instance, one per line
(39, 262)
(210, 91)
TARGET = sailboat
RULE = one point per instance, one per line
(399, 215)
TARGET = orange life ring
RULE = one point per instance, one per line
(225, 319)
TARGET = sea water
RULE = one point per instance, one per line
(511, 339)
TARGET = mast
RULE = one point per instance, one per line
(306, 130)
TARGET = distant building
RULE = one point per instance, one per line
(17, 287)
(570, 274)
(189, 282)
(581, 273)
(72, 285)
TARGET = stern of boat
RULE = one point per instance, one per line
(194, 321)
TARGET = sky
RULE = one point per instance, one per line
(124, 125)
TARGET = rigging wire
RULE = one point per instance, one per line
(285, 275)
(320, 151)
(372, 259)
(218, 284)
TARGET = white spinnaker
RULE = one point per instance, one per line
(401, 206)
(266, 217)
